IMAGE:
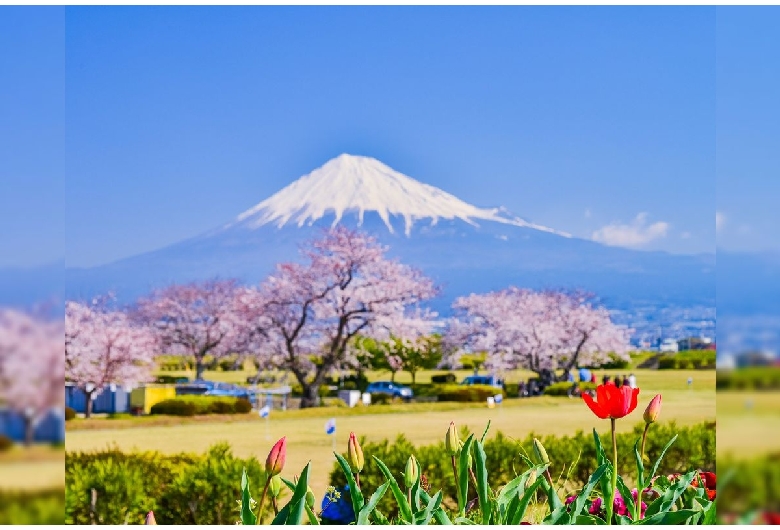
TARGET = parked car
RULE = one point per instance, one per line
(669, 346)
(391, 389)
(488, 380)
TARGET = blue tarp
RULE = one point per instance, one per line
(50, 429)
(585, 375)
(109, 401)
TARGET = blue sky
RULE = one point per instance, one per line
(582, 118)
(32, 136)
(576, 118)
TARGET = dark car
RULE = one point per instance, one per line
(487, 380)
(391, 389)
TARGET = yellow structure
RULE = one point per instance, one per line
(145, 397)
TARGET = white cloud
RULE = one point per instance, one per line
(720, 220)
(636, 234)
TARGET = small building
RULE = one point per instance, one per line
(49, 429)
(112, 399)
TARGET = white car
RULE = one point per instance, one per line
(669, 346)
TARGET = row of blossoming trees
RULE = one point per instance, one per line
(31, 368)
(308, 318)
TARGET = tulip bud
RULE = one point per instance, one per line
(355, 454)
(653, 410)
(276, 486)
(412, 472)
(310, 497)
(451, 441)
(540, 454)
(150, 519)
(275, 461)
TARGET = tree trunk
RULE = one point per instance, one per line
(89, 406)
(29, 431)
(311, 395)
(414, 377)
(392, 377)
(198, 368)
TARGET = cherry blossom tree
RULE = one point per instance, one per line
(32, 372)
(196, 320)
(307, 314)
(104, 346)
(536, 330)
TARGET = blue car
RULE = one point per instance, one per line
(391, 389)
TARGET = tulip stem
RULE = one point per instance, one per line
(357, 480)
(276, 506)
(641, 488)
(644, 439)
(611, 506)
(262, 500)
(457, 485)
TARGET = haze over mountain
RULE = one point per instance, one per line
(463, 247)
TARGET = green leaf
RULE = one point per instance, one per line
(557, 516)
(710, 514)
(371, 505)
(670, 496)
(640, 468)
(626, 494)
(298, 500)
(552, 496)
(622, 520)
(403, 504)
(658, 462)
(247, 517)
(510, 494)
(463, 520)
(425, 516)
(525, 499)
(356, 496)
(439, 514)
(380, 519)
(484, 434)
(463, 475)
(670, 518)
(589, 520)
(483, 488)
(311, 515)
(579, 503)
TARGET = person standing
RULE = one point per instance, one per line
(632, 381)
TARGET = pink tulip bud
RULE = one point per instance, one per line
(653, 410)
(275, 461)
(355, 454)
(150, 519)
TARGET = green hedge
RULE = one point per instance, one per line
(562, 389)
(747, 485)
(32, 507)
(469, 393)
(198, 405)
(69, 414)
(180, 489)
(571, 456)
(753, 378)
(688, 360)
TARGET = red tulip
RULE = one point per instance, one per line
(612, 402)
(275, 461)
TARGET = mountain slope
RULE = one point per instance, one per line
(463, 247)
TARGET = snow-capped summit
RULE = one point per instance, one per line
(362, 184)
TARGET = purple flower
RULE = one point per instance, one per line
(619, 506)
(571, 499)
(595, 506)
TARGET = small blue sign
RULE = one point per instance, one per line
(330, 426)
(265, 411)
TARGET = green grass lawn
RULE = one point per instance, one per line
(748, 423)
(32, 468)
(422, 423)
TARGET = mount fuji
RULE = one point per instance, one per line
(464, 248)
